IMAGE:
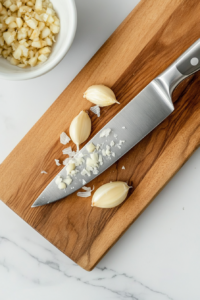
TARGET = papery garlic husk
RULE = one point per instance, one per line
(110, 194)
(100, 95)
(80, 128)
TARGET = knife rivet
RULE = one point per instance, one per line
(194, 61)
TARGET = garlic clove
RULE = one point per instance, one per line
(80, 128)
(100, 95)
(110, 194)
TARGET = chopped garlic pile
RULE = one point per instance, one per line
(94, 158)
(27, 31)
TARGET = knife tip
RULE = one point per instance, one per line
(37, 203)
(33, 206)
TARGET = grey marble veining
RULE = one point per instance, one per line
(36, 263)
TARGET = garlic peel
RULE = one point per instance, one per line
(64, 139)
(100, 95)
(96, 110)
(110, 194)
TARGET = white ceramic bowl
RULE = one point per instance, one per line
(66, 11)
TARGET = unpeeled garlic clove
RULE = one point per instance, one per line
(110, 194)
(100, 95)
(80, 128)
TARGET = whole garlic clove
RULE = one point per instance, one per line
(80, 128)
(100, 95)
(110, 194)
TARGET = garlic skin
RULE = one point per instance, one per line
(110, 194)
(80, 128)
(100, 95)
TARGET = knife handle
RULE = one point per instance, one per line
(187, 64)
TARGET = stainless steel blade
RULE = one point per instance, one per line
(148, 109)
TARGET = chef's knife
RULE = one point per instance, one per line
(146, 111)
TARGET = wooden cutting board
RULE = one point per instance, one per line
(147, 42)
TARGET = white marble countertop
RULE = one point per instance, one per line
(156, 259)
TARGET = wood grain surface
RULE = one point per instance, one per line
(146, 43)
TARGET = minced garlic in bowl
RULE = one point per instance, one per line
(27, 31)
(38, 37)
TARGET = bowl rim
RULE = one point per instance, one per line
(56, 61)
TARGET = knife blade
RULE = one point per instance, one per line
(138, 118)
